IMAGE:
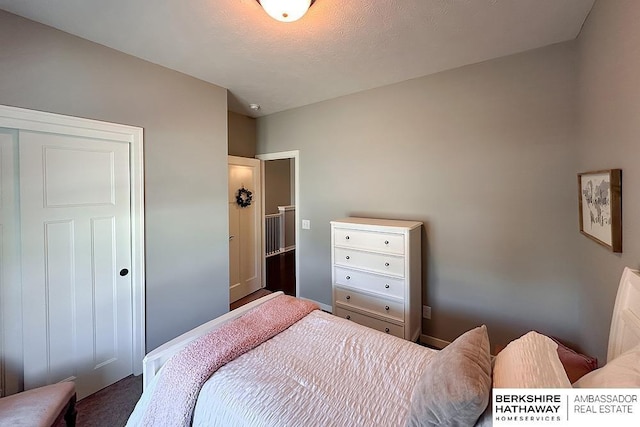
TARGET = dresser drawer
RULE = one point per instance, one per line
(370, 322)
(378, 263)
(369, 240)
(385, 286)
(384, 307)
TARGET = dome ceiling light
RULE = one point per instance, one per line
(286, 10)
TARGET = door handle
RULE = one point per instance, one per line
(231, 238)
(124, 272)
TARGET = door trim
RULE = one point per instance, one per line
(294, 154)
(32, 120)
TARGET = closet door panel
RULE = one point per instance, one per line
(76, 237)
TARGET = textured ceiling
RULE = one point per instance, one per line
(338, 47)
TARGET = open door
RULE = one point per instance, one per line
(245, 227)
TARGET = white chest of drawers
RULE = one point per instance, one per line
(377, 274)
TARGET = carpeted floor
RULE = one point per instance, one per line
(111, 406)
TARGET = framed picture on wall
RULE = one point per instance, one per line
(600, 196)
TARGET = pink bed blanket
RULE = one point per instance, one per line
(182, 377)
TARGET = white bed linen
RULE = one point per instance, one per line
(322, 371)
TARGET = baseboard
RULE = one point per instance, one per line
(433, 341)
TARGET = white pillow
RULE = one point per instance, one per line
(621, 372)
(531, 361)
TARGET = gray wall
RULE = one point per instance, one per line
(185, 143)
(609, 135)
(242, 135)
(278, 184)
(485, 156)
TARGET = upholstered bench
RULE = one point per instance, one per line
(40, 407)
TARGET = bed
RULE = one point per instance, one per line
(323, 370)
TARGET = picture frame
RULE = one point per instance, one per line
(600, 206)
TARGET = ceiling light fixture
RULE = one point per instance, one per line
(286, 10)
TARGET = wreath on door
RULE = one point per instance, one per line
(244, 197)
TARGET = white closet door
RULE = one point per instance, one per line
(75, 232)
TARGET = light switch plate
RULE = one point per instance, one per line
(306, 224)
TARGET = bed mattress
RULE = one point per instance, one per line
(323, 370)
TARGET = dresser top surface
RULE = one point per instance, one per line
(376, 222)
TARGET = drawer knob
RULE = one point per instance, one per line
(386, 330)
(348, 317)
(346, 237)
(386, 242)
(386, 286)
(386, 264)
(386, 307)
(348, 296)
(348, 277)
(348, 257)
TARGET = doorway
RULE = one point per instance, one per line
(280, 185)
